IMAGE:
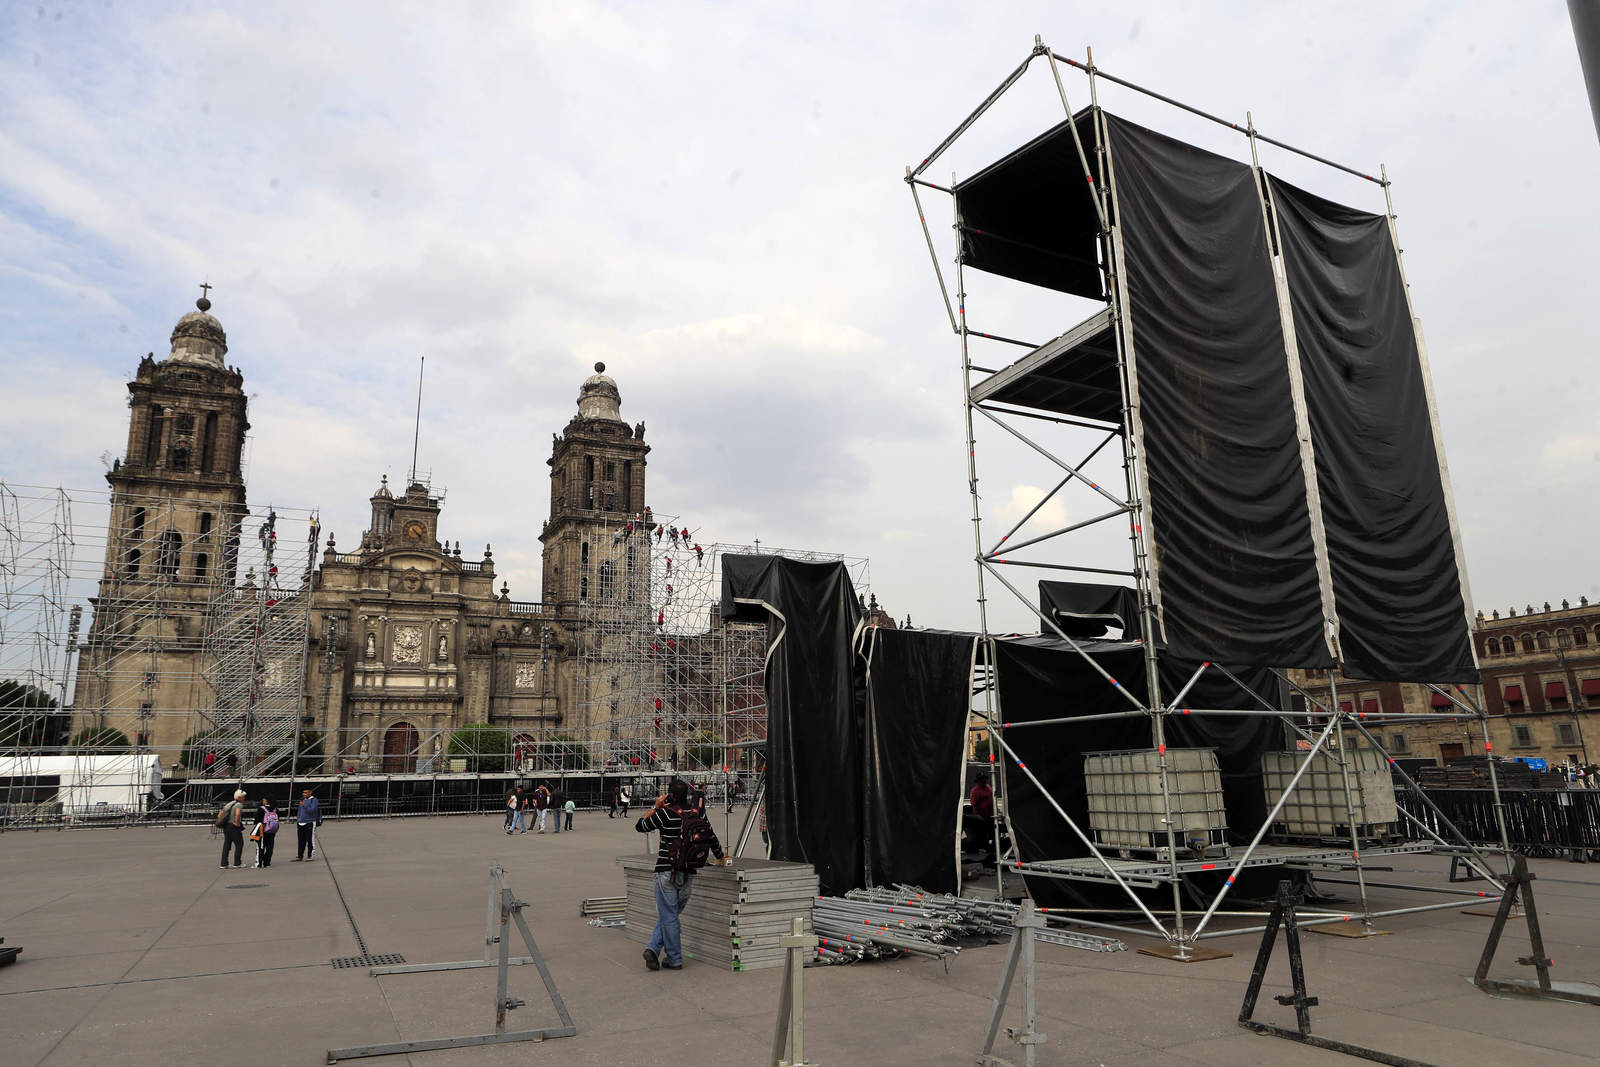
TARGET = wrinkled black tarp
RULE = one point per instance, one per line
(919, 695)
(1395, 579)
(1229, 511)
(1087, 609)
(1029, 216)
(815, 738)
(1042, 678)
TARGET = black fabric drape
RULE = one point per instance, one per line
(1086, 609)
(1231, 522)
(1041, 678)
(814, 719)
(1396, 583)
(919, 695)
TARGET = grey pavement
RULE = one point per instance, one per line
(139, 950)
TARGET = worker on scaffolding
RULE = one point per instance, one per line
(699, 556)
(659, 531)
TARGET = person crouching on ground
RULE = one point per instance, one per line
(306, 821)
(231, 821)
(672, 883)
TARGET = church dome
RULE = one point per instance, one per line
(199, 338)
(383, 490)
(599, 398)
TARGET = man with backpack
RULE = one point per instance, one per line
(687, 840)
(230, 820)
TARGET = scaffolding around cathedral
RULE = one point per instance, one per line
(191, 660)
(663, 681)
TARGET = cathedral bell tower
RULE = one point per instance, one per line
(597, 467)
(177, 500)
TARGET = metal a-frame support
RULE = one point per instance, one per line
(510, 909)
(1283, 915)
(790, 1035)
(1020, 955)
(1521, 885)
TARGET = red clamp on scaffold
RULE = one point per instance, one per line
(1161, 749)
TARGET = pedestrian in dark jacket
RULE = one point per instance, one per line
(672, 887)
(306, 821)
(231, 821)
(267, 832)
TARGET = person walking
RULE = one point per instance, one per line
(624, 798)
(230, 820)
(267, 823)
(558, 798)
(513, 811)
(611, 802)
(306, 821)
(541, 800)
(568, 808)
(672, 883)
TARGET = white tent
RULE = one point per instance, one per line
(92, 785)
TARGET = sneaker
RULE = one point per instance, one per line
(672, 966)
(297, 859)
(222, 866)
(236, 865)
(651, 963)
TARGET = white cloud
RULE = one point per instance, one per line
(707, 200)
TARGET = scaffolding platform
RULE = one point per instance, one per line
(1075, 374)
(1146, 872)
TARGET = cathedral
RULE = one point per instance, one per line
(406, 638)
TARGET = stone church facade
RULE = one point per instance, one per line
(408, 639)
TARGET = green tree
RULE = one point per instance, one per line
(486, 748)
(28, 718)
(100, 739)
(701, 752)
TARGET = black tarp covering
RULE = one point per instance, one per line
(1087, 609)
(1042, 678)
(814, 721)
(1395, 578)
(919, 694)
(1230, 518)
(1029, 216)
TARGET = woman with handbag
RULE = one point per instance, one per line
(230, 820)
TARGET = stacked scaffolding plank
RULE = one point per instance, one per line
(735, 914)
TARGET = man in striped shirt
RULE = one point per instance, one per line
(672, 887)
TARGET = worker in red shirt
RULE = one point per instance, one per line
(980, 820)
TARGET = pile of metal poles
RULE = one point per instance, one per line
(858, 929)
(888, 920)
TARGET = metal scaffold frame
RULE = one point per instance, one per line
(1322, 727)
(194, 645)
(664, 681)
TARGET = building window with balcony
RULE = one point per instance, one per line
(1513, 698)
(1544, 640)
(1563, 639)
(1527, 642)
(1580, 636)
(1492, 647)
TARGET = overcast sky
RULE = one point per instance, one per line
(708, 198)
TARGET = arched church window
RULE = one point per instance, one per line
(1544, 639)
(1493, 647)
(205, 523)
(208, 443)
(152, 435)
(607, 581)
(135, 535)
(167, 554)
(1527, 642)
(1580, 636)
(627, 486)
(201, 563)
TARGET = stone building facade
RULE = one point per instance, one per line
(408, 639)
(1540, 686)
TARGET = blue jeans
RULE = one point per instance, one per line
(672, 896)
(514, 820)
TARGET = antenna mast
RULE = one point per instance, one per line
(422, 362)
